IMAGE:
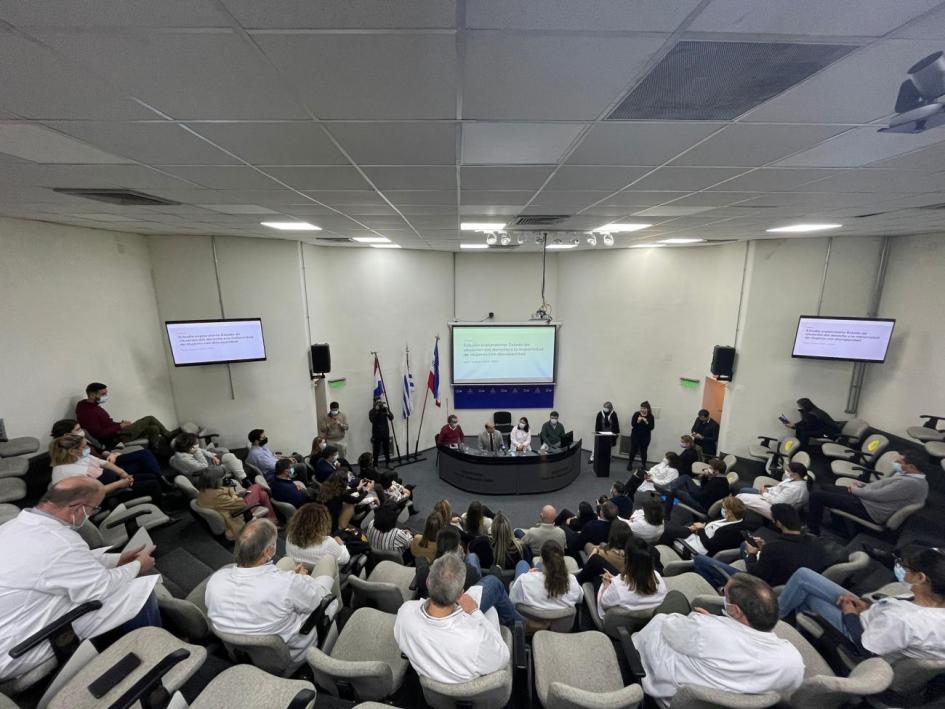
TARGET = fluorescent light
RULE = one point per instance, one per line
(647, 246)
(802, 228)
(39, 144)
(474, 246)
(615, 227)
(681, 240)
(292, 226)
(385, 246)
(371, 239)
(482, 226)
(561, 246)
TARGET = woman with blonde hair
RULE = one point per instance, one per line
(71, 456)
(507, 551)
(308, 537)
(712, 537)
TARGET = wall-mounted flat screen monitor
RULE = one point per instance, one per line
(195, 342)
(504, 354)
(849, 339)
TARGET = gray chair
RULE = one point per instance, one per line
(714, 511)
(887, 529)
(691, 585)
(23, 445)
(14, 467)
(386, 588)
(267, 652)
(364, 662)
(692, 697)
(866, 457)
(491, 691)
(852, 432)
(248, 686)
(187, 617)
(560, 620)
(936, 449)
(8, 512)
(154, 647)
(117, 526)
(391, 555)
(580, 671)
(882, 467)
(927, 431)
(570, 563)
(212, 518)
(802, 457)
(184, 484)
(617, 618)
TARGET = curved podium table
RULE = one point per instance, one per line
(523, 474)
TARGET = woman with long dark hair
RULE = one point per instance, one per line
(814, 422)
(606, 557)
(637, 587)
(642, 424)
(424, 545)
(549, 586)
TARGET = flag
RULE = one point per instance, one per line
(406, 407)
(433, 379)
(378, 382)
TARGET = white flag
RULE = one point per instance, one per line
(407, 400)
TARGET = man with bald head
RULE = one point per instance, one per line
(257, 598)
(545, 530)
(47, 569)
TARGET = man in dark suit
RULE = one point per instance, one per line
(706, 433)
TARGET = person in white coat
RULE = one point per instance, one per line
(638, 587)
(548, 587)
(257, 598)
(521, 437)
(657, 477)
(735, 652)
(793, 490)
(47, 570)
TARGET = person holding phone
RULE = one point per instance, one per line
(814, 422)
(380, 418)
(642, 424)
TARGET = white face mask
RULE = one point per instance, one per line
(334, 412)
(454, 424)
(664, 461)
(521, 425)
(334, 461)
(554, 419)
(76, 524)
(86, 452)
(606, 410)
(103, 399)
(322, 446)
(194, 449)
(724, 513)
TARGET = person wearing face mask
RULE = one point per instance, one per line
(606, 422)
(736, 652)
(137, 463)
(452, 434)
(705, 431)
(521, 437)
(190, 459)
(286, 488)
(71, 456)
(214, 494)
(334, 428)
(891, 627)
(814, 422)
(327, 464)
(712, 537)
(552, 431)
(659, 476)
(641, 428)
(259, 453)
(878, 500)
(793, 490)
(96, 420)
(47, 569)
(255, 597)
(380, 418)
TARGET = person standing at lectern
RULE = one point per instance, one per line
(552, 431)
(706, 433)
(451, 434)
(334, 428)
(380, 418)
(641, 425)
(607, 422)
(490, 440)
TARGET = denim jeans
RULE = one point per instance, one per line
(807, 590)
(495, 596)
(713, 570)
(472, 558)
(148, 616)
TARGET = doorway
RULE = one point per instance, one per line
(713, 398)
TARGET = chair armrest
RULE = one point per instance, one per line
(932, 420)
(765, 440)
(246, 513)
(582, 557)
(57, 626)
(124, 518)
(521, 684)
(687, 548)
(148, 683)
(866, 473)
(631, 654)
(317, 617)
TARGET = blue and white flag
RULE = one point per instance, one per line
(378, 382)
(407, 401)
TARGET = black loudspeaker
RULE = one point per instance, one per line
(723, 362)
(321, 358)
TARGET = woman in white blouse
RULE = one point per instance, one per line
(548, 586)
(647, 522)
(521, 437)
(793, 490)
(308, 537)
(639, 587)
(71, 456)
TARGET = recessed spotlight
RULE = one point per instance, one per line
(505, 239)
(292, 226)
(647, 246)
(474, 246)
(491, 239)
(385, 246)
(371, 239)
(520, 239)
(802, 228)
(561, 246)
(592, 239)
(619, 227)
(681, 241)
(608, 240)
(482, 226)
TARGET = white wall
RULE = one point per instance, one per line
(912, 380)
(77, 305)
(506, 284)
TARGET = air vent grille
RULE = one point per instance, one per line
(541, 219)
(710, 81)
(126, 198)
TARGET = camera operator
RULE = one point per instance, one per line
(380, 418)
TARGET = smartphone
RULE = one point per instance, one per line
(747, 536)
(783, 419)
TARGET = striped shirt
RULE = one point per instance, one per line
(393, 540)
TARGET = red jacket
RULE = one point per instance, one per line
(449, 436)
(94, 419)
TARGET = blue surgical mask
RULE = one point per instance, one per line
(103, 399)
(724, 513)
(86, 452)
(900, 573)
(334, 412)
(897, 468)
(725, 607)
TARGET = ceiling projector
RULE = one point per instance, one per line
(919, 103)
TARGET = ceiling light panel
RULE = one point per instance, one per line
(385, 246)
(802, 228)
(482, 226)
(291, 226)
(371, 239)
(474, 246)
(621, 227)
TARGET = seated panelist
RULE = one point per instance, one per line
(452, 434)
(521, 437)
(491, 440)
(552, 431)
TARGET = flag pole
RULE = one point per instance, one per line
(393, 429)
(408, 394)
(426, 396)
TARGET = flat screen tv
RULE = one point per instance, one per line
(195, 342)
(848, 339)
(504, 354)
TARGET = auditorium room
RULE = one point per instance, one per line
(472, 354)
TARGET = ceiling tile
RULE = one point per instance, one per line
(287, 143)
(670, 210)
(237, 208)
(504, 178)
(347, 198)
(930, 26)
(496, 197)
(600, 177)
(338, 177)
(396, 75)
(931, 159)
(772, 179)
(113, 13)
(714, 199)
(398, 143)
(470, 212)
(516, 143)
(608, 15)
(629, 198)
(185, 75)
(346, 14)
(412, 178)
(632, 143)
(421, 197)
(569, 199)
(685, 178)
(549, 77)
(753, 145)
(105, 176)
(223, 177)
(880, 182)
(861, 146)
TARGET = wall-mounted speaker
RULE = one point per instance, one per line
(321, 358)
(723, 362)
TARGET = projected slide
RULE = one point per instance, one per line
(857, 339)
(215, 341)
(503, 354)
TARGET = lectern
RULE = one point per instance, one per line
(602, 445)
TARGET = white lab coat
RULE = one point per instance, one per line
(660, 474)
(643, 529)
(264, 600)
(454, 649)
(46, 570)
(520, 438)
(789, 492)
(717, 652)
(618, 595)
(529, 589)
(897, 628)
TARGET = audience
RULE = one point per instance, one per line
(448, 541)
(47, 569)
(137, 463)
(308, 537)
(285, 488)
(735, 652)
(687, 456)
(647, 523)
(95, 419)
(607, 557)
(71, 456)
(366, 468)
(545, 530)
(215, 495)
(659, 476)
(620, 497)
(423, 546)
(507, 551)
(878, 500)
(334, 428)
(637, 587)
(474, 522)
(259, 454)
(257, 598)
(383, 533)
(189, 458)
(597, 530)
(793, 491)
(715, 536)
(549, 586)
(699, 497)
(327, 463)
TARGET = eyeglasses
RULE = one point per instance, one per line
(95, 510)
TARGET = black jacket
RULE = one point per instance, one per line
(713, 489)
(686, 459)
(727, 537)
(380, 423)
(594, 532)
(640, 427)
(613, 427)
(785, 555)
(710, 435)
